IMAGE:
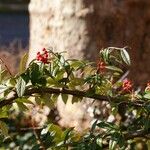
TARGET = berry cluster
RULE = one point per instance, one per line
(42, 57)
(101, 66)
(127, 85)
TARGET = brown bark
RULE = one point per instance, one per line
(83, 27)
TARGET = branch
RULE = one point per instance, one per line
(131, 135)
(76, 93)
(9, 100)
(138, 133)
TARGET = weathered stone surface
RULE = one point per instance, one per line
(84, 27)
(61, 24)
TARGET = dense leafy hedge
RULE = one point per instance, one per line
(51, 75)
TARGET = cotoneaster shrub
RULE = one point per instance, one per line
(51, 75)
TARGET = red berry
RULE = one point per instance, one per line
(127, 85)
(38, 53)
(101, 66)
(42, 57)
(45, 52)
(46, 55)
(44, 49)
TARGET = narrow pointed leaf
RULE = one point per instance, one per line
(20, 87)
(23, 62)
(125, 56)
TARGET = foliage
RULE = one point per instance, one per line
(50, 76)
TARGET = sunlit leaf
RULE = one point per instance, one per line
(107, 125)
(3, 88)
(22, 106)
(23, 100)
(147, 95)
(23, 62)
(4, 112)
(113, 68)
(3, 128)
(112, 145)
(3, 75)
(125, 56)
(57, 131)
(20, 87)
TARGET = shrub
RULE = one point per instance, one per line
(51, 75)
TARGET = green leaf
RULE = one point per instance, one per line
(114, 110)
(107, 125)
(3, 75)
(107, 51)
(99, 142)
(147, 95)
(41, 68)
(147, 124)
(67, 134)
(23, 62)
(22, 106)
(11, 82)
(42, 81)
(57, 131)
(23, 100)
(125, 56)
(105, 54)
(44, 131)
(3, 88)
(64, 98)
(60, 74)
(47, 100)
(77, 64)
(34, 73)
(38, 100)
(62, 60)
(4, 112)
(77, 81)
(94, 126)
(20, 87)
(3, 128)
(54, 97)
(76, 99)
(25, 76)
(112, 145)
(55, 70)
(114, 68)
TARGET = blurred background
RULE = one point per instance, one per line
(81, 27)
(14, 31)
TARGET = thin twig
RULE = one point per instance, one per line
(37, 136)
(135, 134)
(30, 128)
